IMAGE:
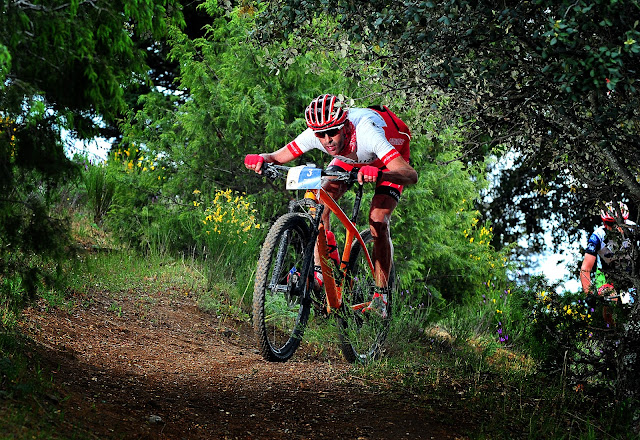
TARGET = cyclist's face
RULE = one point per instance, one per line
(332, 140)
(610, 225)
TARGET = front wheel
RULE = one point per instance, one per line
(362, 333)
(280, 301)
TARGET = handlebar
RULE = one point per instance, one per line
(275, 172)
(624, 298)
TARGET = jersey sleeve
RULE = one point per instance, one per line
(306, 141)
(593, 245)
(377, 141)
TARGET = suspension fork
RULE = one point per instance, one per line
(307, 268)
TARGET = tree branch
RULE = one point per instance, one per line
(629, 180)
(23, 4)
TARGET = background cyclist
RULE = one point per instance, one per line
(373, 140)
(608, 253)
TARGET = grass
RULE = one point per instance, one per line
(125, 270)
(503, 392)
(435, 358)
(219, 300)
(27, 396)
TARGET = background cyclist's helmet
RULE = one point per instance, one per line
(326, 112)
(609, 213)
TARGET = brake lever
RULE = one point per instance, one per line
(270, 171)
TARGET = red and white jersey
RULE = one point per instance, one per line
(372, 146)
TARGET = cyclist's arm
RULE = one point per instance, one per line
(593, 246)
(305, 141)
(399, 172)
(373, 139)
(585, 271)
(283, 155)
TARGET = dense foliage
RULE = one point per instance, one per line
(65, 68)
(555, 81)
(546, 87)
(237, 105)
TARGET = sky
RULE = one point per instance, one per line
(548, 266)
(95, 149)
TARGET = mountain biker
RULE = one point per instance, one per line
(608, 252)
(374, 141)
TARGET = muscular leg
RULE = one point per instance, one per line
(382, 206)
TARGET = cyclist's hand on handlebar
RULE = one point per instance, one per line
(254, 162)
(368, 173)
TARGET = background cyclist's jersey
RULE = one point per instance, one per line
(376, 143)
(609, 251)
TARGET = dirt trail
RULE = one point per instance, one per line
(163, 369)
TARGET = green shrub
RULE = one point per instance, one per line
(570, 336)
(101, 188)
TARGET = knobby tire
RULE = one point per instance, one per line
(280, 309)
(362, 335)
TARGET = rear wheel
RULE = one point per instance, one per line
(280, 303)
(362, 333)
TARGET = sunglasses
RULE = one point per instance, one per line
(331, 133)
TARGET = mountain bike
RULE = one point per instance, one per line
(612, 300)
(284, 293)
(593, 351)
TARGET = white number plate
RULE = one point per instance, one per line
(304, 177)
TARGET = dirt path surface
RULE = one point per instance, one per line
(160, 368)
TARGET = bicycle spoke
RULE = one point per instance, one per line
(279, 311)
(362, 331)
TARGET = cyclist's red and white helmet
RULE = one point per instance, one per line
(609, 213)
(326, 112)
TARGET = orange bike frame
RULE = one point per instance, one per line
(333, 291)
